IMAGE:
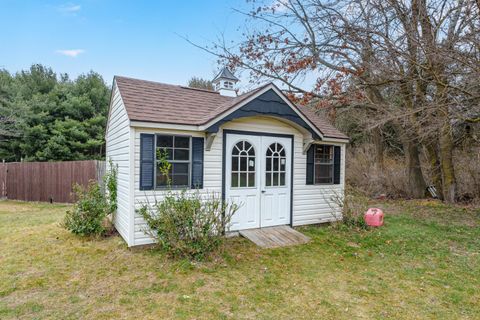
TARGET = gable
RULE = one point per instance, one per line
(267, 104)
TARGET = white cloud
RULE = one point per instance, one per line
(73, 53)
(70, 8)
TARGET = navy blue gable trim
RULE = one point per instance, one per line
(269, 103)
(147, 161)
(197, 163)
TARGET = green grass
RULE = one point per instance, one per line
(424, 263)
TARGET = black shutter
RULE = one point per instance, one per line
(197, 163)
(147, 161)
(337, 154)
(310, 164)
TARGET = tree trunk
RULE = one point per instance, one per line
(446, 163)
(416, 182)
(436, 171)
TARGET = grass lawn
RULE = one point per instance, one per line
(425, 263)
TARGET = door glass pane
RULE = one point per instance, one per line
(282, 178)
(243, 163)
(275, 179)
(235, 151)
(275, 163)
(251, 179)
(269, 164)
(235, 163)
(268, 179)
(243, 179)
(234, 180)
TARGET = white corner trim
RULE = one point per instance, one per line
(131, 200)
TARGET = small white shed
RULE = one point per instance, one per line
(280, 161)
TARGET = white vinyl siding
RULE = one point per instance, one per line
(311, 203)
(118, 150)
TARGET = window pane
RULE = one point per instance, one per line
(282, 153)
(323, 173)
(283, 162)
(251, 164)
(234, 163)
(243, 179)
(164, 152)
(180, 168)
(275, 179)
(235, 150)
(243, 163)
(182, 142)
(162, 180)
(164, 141)
(269, 164)
(181, 154)
(275, 164)
(234, 180)
(282, 178)
(180, 180)
(323, 154)
(251, 179)
(269, 152)
(268, 179)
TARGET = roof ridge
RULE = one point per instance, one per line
(148, 81)
(200, 89)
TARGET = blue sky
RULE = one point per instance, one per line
(132, 38)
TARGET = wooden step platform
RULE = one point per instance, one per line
(274, 237)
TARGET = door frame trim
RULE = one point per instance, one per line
(256, 133)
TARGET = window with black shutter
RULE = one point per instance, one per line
(172, 161)
(323, 164)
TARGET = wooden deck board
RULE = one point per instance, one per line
(274, 237)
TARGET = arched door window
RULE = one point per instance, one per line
(276, 162)
(243, 165)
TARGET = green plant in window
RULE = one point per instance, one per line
(164, 166)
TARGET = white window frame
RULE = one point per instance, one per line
(332, 164)
(189, 161)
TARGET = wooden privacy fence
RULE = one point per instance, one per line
(47, 181)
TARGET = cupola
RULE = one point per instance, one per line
(225, 82)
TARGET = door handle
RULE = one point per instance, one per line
(263, 191)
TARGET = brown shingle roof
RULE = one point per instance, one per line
(164, 103)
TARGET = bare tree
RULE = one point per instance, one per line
(411, 64)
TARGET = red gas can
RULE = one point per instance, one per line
(374, 217)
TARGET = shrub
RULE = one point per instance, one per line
(89, 211)
(352, 204)
(187, 224)
(110, 182)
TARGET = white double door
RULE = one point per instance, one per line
(258, 180)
